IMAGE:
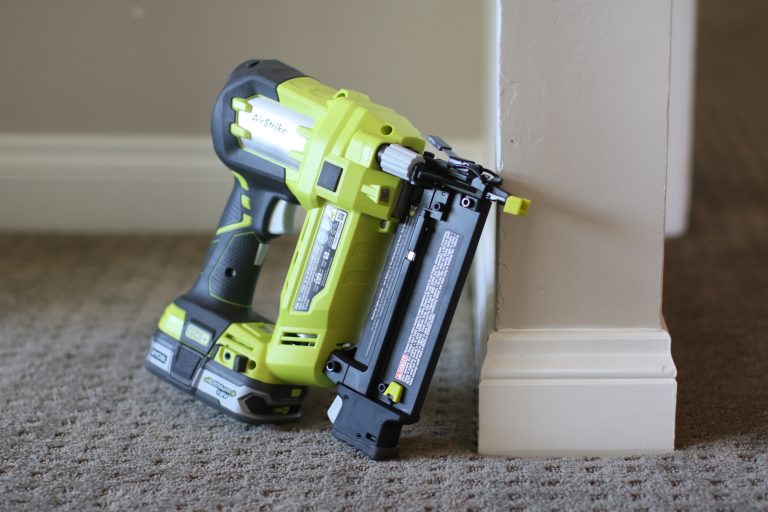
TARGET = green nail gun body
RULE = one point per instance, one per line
(388, 229)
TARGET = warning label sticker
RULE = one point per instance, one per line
(426, 314)
(321, 257)
(384, 290)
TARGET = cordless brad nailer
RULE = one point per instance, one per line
(389, 235)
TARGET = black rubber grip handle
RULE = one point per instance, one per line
(228, 280)
(232, 267)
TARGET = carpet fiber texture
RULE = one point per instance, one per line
(84, 426)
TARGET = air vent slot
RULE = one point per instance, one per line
(298, 339)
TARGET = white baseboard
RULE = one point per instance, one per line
(577, 392)
(114, 183)
(89, 183)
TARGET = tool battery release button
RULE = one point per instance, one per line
(185, 364)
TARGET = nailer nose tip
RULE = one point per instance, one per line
(517, 205)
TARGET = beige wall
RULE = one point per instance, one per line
(581, 364)
(583, 132)
(98, 66)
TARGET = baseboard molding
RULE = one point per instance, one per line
(571, 392)
(118, 183)
(90, 183)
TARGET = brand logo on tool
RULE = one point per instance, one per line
(269, 124)
(156, 354)
(221, 390)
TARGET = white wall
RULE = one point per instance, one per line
(681, 101)
(106, 104)
(583, 117)
(132, 66)
(580, 363)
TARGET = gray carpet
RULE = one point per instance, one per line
(85, 427)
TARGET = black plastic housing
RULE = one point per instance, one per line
(412, 309)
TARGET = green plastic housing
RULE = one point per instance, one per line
(347, 132)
